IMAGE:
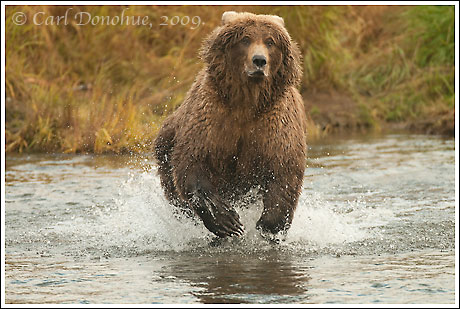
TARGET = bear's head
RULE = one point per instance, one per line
(249, 51)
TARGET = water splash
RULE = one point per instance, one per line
(140, 220)
(319, 223)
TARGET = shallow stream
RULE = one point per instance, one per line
(375, 224)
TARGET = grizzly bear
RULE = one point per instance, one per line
(241, 126)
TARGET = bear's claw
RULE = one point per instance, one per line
(218, 217)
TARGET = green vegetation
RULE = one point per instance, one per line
(104, 88)
(408, 73)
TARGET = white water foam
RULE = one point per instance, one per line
(322, 223)
(141, 220)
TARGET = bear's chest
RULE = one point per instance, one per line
(238, 148)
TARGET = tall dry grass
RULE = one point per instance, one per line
(107, 88)
(406, 69)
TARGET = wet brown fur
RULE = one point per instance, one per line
(232, 134)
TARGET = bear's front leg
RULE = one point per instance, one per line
(202, 196)
(280, 200)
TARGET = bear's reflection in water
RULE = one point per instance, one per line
(227, 277)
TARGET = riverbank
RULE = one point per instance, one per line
(338, 114)
(102, 88)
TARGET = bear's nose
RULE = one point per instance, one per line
(259, 61)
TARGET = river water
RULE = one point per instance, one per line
(375, 224)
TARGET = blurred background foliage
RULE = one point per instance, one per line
(105, 88)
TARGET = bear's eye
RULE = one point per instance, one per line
(270, 42)
(246, 40)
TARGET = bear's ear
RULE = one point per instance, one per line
(277, 19)
(228, 16)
